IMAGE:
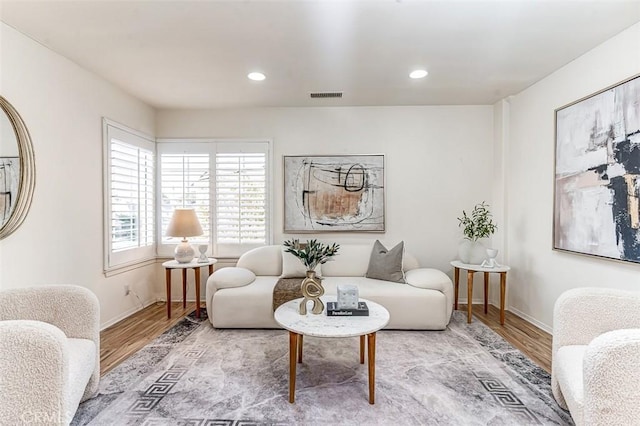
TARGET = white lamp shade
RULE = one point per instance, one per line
(184, 223)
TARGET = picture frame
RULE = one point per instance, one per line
(334, 193)
(597, 174)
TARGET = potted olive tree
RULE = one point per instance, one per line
(479, 224)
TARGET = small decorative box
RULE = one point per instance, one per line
(347, 296)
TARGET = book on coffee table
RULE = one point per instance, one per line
(361, 311)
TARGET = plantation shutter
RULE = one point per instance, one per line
(129, 197)
(241, 198)
(184, 182)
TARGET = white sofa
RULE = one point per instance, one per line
(596, 356)
(424, 303)
(49, 353)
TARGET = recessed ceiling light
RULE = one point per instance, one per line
(418, 74)
(256, 76)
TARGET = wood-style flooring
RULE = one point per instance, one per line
(125, 338)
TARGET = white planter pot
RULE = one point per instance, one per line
(472, 252)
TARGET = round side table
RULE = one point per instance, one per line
(471, 269)
(195, 265)
(321, 325)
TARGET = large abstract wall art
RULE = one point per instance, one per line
(334, 193)
(597, 174)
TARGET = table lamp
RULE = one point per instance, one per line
(184, 223)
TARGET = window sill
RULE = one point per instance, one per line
(128, 267)
(158, 259)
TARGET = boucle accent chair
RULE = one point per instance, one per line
(49, 353)
(596, 356)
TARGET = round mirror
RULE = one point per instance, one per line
(17, 169)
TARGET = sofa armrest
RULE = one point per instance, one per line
(33, 373)
(226, 278)
(611, 377)
(432, 279)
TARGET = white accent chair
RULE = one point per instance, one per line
(49, 353)
(596, 356)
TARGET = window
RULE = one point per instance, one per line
(129, 189)
(233, 206)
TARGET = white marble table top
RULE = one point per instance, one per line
(321, 325)
(174, 264)
(478, 268)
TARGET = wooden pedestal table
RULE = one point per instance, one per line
(471, 269)
(195, 265)
(321, 325)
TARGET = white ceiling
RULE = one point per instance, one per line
(196, 54)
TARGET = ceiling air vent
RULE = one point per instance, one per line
(325, 95)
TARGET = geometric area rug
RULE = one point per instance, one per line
(194, 374)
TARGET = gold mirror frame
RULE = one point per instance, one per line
(27, 182)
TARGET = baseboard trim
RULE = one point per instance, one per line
(515, 312)
(127, 314)
(532, 320)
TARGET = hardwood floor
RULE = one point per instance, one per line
(125, 338)
(128, 336)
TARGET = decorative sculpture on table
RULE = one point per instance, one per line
(347, 296)
(202, 248)
(490, 262)
(311, 255)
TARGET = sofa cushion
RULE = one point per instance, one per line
(386, 264)
(292, 267)
(352, 260)
(232, 277)
(82, 362)
(567, 367)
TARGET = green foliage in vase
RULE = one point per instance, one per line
(479, 224)
(313, 253)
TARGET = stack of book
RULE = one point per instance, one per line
(361, 311)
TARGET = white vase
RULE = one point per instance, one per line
(472, 252)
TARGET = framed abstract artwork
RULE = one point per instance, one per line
(334, 193)
(597, 174)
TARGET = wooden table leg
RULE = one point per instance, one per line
(371, 355)
(168, 279)
(486, 291)
(293, 346)
(362, 349)
(300, 336)
(469, 294)
(503, 290)
(210, 270)
(184, 288)
(456, 276)
(197, 272)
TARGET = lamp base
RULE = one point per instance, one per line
(184, 253)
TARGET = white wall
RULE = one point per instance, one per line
(438, 162)
(61, 240)
(540, 274)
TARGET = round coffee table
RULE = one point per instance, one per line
(288, 316)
